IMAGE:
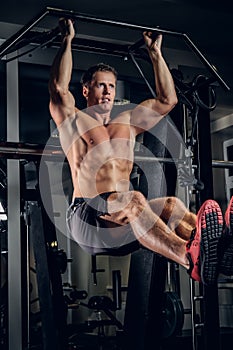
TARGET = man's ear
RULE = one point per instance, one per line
(85, 91)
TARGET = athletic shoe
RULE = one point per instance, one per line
(226, 264)
(193, 255)
(202, 249)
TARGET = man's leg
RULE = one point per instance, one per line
(153, 233)
(173, 211)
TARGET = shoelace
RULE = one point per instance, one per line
(192, 236)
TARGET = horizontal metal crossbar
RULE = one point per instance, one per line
(8, 45)
(15, 150)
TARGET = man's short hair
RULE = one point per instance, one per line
(100, 67)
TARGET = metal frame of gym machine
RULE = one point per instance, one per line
(7, 49)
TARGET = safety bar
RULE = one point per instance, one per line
(19, 150)
(8, 44)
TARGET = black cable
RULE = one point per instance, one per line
(197, 85)
(194, 126)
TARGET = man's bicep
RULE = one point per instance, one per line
(62, 107)
(146, 115)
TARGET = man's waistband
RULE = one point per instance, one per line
(79, 200)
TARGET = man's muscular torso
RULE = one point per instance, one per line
(100, 156)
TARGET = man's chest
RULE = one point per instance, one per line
(111, 133)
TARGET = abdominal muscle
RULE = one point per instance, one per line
(104, 168)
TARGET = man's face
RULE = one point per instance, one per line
(101, 91)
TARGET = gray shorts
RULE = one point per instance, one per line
(92, 233)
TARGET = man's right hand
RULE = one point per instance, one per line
(66, 27)
(153, 43)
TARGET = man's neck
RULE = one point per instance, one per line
(103, 118)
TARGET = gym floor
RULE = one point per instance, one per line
(94, 341)
(181, 342)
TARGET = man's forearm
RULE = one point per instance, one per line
(62, 68)
(164, 83)
(165, 88)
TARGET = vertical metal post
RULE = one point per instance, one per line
(143, 313)
(14, 232)
(211, 331)
(147, 275)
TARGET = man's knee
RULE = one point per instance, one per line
(123, 201)
(138, 198)
(172, 204)
(129, 197)
(136, 206)
(134, 201)
(130, 204)
(171, 201)
(163, 205)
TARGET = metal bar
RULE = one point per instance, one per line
(14, 214)
(83, 17)
(116, 289)
(85, 45)
(27, 231)
(9, 43)
(206, 63)
(142, 74)
(157, 159)
(50, 235)
(14, 150)
(14, 257)
(87, 18)
(203, 156)
(145, 293)
(20, 151)
(48, 328)
(222, 164)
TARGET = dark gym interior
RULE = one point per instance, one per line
(53, 295)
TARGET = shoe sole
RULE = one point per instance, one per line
(227, 261)
(210, 222)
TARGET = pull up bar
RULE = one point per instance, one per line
(6, 47)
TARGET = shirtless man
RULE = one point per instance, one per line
(105, 215)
